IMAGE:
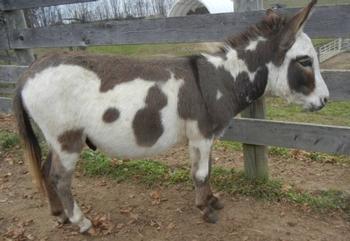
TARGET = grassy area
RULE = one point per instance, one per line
(335, 113)
(141, 50)
(151, 173)
(8, 140)
(149, 50)
(228, 145)
(318, 42)
(154, 173)
(281, 152)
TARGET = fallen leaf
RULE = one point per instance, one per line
(102, 225)
(171, 226)
(125, 210)
(120, 226)
(155, 195)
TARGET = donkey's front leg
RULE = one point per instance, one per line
(200, 154)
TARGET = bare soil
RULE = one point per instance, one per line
(125, 211)
(341, 61)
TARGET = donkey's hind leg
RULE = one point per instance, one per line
(61, 173)
(55, 203)
(200, 154)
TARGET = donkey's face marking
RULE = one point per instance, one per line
(111, 115)
(301, 79)
(147, 123)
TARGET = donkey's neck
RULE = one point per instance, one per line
(229, 85)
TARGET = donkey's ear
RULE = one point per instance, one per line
(271, 17)
(299, 20)
(295, 25)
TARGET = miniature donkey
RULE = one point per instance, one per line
(132, 108)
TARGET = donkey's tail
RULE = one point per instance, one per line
(31, 148)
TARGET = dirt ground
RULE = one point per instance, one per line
(123, 211)
(341, 61)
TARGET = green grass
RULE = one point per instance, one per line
(149, 49)
(335, 113)
(321, 41)
(8, 140)
(150, 173)
(142, 171)
(279, 152)
(141, 50)
(228, 145)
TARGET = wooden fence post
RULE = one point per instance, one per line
(255, 157)
(247, 5)
(15, 20)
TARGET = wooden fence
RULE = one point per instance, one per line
(200, 28)
(333, 48)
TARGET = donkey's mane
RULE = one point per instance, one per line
(269, 27)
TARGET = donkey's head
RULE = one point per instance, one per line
(294, 72)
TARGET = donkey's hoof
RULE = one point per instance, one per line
(216, 203)
(210, 216)
(62, 219)
(85, 225)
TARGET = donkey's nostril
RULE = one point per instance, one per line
(325, 100)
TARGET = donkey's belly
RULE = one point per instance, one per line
(131, 138)
(123, 144)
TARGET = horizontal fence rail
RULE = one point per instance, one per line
(6, 5)
(5, 105)
(325, 22)
(309, 137)
(11, 73)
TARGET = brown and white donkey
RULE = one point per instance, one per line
(137, 108)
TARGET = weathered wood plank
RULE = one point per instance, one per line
(325, 22)
(4, 43)
(309, 137)
(15, 20)
(8, 59)
(7, 90)
(338, 82)
(11, 73)
(6, 5)
(5, 105)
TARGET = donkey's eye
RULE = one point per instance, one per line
(305, 61)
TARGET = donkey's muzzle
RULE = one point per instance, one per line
(323, 102)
